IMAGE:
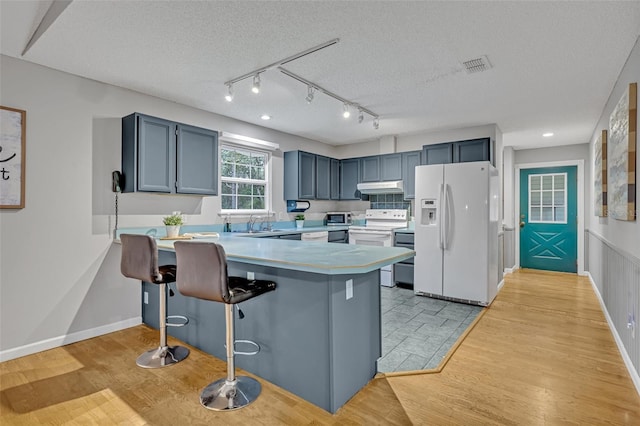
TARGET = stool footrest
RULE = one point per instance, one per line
(248, 342)
(184, 322)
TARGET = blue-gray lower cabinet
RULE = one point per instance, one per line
(159, 155)
(403, 271)
(340, 236)
(314, 342)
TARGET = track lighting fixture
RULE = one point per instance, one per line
(229, 96)
(345, 112)
(256, 83)
(309, 97)
(312, 88)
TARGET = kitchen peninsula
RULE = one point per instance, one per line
(319, 332)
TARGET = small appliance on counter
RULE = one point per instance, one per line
(338, 218)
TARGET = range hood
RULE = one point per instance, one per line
(390, 187)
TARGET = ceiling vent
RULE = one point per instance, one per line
(477, 65)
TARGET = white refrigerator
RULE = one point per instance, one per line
(456, 232)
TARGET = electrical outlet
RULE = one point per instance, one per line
(251, 275)
(631, 324)
(349, 288)
(146, 297)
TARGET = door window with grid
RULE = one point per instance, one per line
(244, 179)
(548, 198)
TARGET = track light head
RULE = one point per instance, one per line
(256, 84)
(346, 113)
(229, 96)
(376, 123)
(360, 115)
(309, 97)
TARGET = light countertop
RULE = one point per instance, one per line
(306, 256)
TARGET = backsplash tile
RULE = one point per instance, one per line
(389, 201)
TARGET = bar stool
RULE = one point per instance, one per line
(202, 273)
(140, 261)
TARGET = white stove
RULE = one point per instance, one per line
(378, 231)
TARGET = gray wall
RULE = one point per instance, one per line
(614, 245)
(59, 272)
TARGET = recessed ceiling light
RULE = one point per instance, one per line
(265, 117)
(547, 135)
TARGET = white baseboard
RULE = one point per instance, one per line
(625, 356)
(500, 285)
(509, 270)
(66, 339)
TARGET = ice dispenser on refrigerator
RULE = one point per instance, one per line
(429, 212)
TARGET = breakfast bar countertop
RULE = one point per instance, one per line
(305, 256)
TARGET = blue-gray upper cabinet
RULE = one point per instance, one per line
(410, 160)
(163, 156)
(197, 165)
(334, 180)
(441, 153)
(349, 179)
(323, 177)
(473, 150)
(480, 149)
(390, 167)
(299, 175)
(378, 168)
(370, 169)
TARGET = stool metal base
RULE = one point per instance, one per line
(223, 395)
(162, 357)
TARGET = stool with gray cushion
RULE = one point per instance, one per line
(140, 261)
(202, 273)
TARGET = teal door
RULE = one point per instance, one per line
(549, 219)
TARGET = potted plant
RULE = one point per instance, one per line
(299, 221)
(173, 223)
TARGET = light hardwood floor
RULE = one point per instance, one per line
(542, 354)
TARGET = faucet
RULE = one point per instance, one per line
(250, 223)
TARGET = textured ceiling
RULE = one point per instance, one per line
(554, 63)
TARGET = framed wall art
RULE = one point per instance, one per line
(600, 175)
(621, 157)
(12, 157)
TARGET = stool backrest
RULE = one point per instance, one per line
(140, 258)
(202, 271)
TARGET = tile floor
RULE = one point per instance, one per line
(418, 331)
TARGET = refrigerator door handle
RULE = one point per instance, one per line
(441, 218)
(449, 218)
(445, 217)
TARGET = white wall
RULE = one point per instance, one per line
(59, 272)
(623, 234)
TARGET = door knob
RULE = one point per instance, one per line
(521, 224)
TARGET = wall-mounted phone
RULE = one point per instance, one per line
(117, 181)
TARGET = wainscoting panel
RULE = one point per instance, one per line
(509, 247)
(616, 274)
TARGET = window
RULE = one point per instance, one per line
(548, 198)
(244, 178)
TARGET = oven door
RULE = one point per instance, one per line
(371, 238)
